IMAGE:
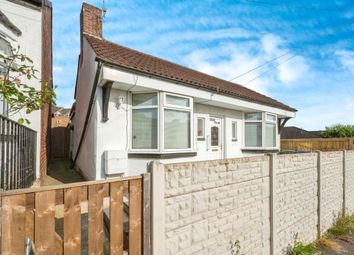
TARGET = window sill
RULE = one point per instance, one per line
(161, 155)
(260, 150)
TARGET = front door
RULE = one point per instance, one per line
(216, 144)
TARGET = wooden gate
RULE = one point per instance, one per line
(86, 217)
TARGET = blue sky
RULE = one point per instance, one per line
(315, 39)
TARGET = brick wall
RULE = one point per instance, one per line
(47, 77)
(263, 201)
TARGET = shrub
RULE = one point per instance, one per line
(338, 131)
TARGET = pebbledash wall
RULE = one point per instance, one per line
(263, 201)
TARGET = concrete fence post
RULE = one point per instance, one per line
(344, 182)
(158, 208)
(319, 188)
(272, 199)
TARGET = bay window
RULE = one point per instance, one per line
(171, 114)
(260, 130)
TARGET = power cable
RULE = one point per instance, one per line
(275, 66)
(265, 63)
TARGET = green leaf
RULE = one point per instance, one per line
(21, 121)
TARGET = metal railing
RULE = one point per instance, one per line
(17, 155)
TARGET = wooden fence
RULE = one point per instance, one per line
(321, 144)
(53, 219)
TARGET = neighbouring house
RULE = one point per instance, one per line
(60, 111)
(132, 108)
(298, 133)
(28, 24)
(60, 133)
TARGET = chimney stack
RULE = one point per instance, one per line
(91, 20)
(90, 23)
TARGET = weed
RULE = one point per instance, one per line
(235, 248)
(300, 248)
(342, 226)
(329, 244)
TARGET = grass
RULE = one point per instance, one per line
(329, 244)
(343, 225)
(299, 248)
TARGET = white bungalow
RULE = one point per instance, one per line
(132, 108)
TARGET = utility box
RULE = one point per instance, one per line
(115, 162)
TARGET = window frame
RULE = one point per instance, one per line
(161, 106)
(234, 128)
(202, 137)
(141, 108)
(189, 109)
(271, 122)
(264, 121)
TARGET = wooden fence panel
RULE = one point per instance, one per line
(72, 221)
(318, 144)
(30, 213)
(13, 224)
(44, 234)
(95, 219)
(116, 218)
(135, 211)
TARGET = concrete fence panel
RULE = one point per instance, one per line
(262, 202)
(296, 199)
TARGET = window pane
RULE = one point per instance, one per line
(271, 117)
(177, 129)
(234, 130)
(175, 100)
(253, 134)
(5, 47)
(254, 116)
(145, 99)
(270, 135)
(214, 136)
(144, 131)
(200, 130)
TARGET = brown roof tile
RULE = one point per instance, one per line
(124, 57)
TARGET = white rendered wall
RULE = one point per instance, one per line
(29, 21)
(86, 160)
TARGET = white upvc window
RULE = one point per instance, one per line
(161, 122)
(201, 128)
(260, 130)
(177, 122)
(5, 50)
(145, 124)
(271, 130)
(234, 131)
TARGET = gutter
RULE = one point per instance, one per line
(88, 113)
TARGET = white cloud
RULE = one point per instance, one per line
(346, 58)
(230, 60)
(292, 70)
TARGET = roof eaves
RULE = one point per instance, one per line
(218, 91)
